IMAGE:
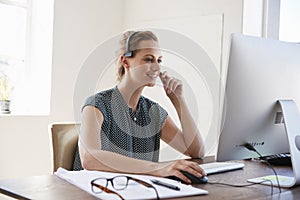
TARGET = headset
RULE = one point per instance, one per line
(128, 52)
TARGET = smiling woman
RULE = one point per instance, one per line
(132, 42)
(121, 129)
(144, 66)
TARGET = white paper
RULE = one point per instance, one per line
(83, 178)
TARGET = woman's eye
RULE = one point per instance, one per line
(149, 60)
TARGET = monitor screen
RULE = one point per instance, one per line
(260, 72)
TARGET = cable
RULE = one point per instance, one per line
(245, 185)
(251, 148)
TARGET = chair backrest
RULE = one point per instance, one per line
(64, 138)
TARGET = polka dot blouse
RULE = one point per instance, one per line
(133, 134)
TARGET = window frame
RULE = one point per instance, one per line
(34, 81)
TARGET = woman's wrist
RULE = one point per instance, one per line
(178, 102)
(176, 98)
(154, 169)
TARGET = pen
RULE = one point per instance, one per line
(173, 187)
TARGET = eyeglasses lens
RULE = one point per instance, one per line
(120, 182)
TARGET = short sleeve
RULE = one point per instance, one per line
(95, 101)
(163, 115)
(90, 101)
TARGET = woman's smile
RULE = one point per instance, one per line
(152, 75)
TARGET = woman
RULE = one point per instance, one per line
(121, 129)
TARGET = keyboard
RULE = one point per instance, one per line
(219, 167)
(283, 159)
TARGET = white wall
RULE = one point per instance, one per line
(79, 26)
(253, 17)
(209, 24)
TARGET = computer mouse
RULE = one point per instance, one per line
(194, 179)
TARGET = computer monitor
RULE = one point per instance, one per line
(260, 72)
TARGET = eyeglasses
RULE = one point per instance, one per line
(118, 183)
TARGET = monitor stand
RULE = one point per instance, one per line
(292, 126)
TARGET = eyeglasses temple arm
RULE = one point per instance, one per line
(146, 185)
(105, 189)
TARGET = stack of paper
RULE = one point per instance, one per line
(83, 178)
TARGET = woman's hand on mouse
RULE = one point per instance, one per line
(174, 168)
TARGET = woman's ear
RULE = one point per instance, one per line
(124, 62)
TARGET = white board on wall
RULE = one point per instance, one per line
(207, 32)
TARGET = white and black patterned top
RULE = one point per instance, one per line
(133, 134)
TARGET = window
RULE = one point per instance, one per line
(13, 23)
(289, 21)
(26, 54)
(13, 33)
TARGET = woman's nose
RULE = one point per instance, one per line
(155, 66)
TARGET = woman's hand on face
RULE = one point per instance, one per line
(172, 85)
(174, 168)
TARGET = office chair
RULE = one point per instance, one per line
(64, 138)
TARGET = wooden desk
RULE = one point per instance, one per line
(52, 187)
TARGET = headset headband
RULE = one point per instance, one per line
(128, 52)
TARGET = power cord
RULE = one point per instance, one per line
(244, 185)
(250, 147)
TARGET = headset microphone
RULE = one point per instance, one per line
(128, 52)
